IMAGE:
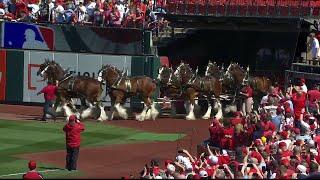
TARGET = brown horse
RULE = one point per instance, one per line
(194, 86)
(169, 85)
(213, 70)
(122, 87)
(73, 87)
(240, 76)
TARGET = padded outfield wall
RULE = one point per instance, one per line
(19, 82)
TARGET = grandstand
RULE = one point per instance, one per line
(202, 30)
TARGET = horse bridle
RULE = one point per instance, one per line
(116, 83)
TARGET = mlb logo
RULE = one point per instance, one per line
(27, 36)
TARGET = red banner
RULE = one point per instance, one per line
(3, 73)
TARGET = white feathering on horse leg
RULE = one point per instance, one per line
(216, 106)
(121, 111)
(112, 111)
(208, 113)
(59, 109)
(148, 114)
(154, 112)
(219, 114)
(86, 113)
(103, 115)
(142, 115)
(191, 115)
(67, 111)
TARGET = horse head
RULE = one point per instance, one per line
(165, 74)
(213, 70)
(109, 74)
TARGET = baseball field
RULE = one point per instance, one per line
(108, 150)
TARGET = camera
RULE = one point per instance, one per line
(180, 151)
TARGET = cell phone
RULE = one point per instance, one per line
(252, 149)
(250, 165)
(180, 151)
(220, 167)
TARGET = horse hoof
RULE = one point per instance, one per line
(139, 118)
(205, 117)
(190, 118)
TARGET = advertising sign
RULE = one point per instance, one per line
(27, 36)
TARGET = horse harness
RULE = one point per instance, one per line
(127, 82)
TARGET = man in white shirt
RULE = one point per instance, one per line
(90, 8)
(303, 85)
(314, 47)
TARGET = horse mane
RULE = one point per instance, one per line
(112, 67)
(238, 67)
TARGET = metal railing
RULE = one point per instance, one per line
(245, 8)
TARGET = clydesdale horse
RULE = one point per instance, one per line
(73, 87)
(194, 86)
(121, 87)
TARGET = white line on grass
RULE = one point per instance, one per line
(48, 170)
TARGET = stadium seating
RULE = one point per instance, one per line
(279, 8)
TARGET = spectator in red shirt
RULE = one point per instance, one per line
(32, 173)
(247, 105)
(299, 104)
(73, 140)
(49, 98)
(313, 98)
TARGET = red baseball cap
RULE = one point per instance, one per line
(284, 134)
(72, 118)
(282, 144)
(285, 162)
(32, 165)
(238, 113)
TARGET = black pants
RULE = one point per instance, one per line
(72, 158)
(47, 109)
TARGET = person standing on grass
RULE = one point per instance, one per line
(49, 98)
(32, 173)
(73, 131)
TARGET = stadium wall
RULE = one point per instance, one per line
(19, 82)
(71, 38)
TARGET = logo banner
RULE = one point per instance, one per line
(27, 36)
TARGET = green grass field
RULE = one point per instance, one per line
(21, 137)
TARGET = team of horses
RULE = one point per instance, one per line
(182, 83)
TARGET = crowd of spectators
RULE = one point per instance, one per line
(260, 145)
(104, 13)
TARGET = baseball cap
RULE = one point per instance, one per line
(203, 173)
(32, 165)
(2, 12)
(302, 168)
(213, 159)
(72, 118)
